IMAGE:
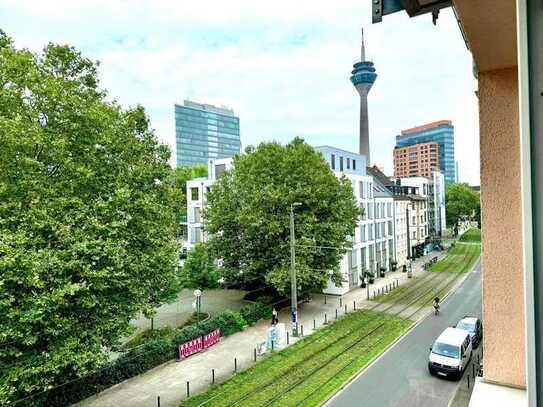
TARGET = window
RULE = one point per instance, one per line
(389, 210)
(362, 186)
(383, 229)
(333, 161)
(353, 259)
(377, 230)
(370, 232)
(364, 211)
(363, 233)
(370, 210)
(341, 163)
(348, 163)
(390, 227)
(219, 170)
(195, 235)
(194, 194)
(363, 258)
(354, 164)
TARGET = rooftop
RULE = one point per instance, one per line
(228, 111)
(427, 126)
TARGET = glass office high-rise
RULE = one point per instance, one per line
(442, 132)
(205, 132)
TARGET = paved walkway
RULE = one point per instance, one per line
(169, 381)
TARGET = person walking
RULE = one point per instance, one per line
(275, 320)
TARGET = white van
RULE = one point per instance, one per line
(450, 353)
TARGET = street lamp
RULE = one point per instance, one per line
(293, 289)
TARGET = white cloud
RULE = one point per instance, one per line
(283, 66)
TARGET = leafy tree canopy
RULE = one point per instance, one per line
(460, 202)
(199, 269)
(247, 217)
(87, 218)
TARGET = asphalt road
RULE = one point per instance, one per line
(400, 377)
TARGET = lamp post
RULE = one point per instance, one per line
(293, 288)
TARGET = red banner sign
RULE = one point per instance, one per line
(196, 345)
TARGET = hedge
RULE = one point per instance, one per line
(138, 360)
(252, 313)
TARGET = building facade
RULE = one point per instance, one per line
(196, 199)
(440, 132)
(204, 132)
(418, 160)
(373, 237)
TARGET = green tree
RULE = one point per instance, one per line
(460, 202)
(200, 270)
(87, 219)
(247, 217)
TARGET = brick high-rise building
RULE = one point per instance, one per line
(418, 160)
(441, 132)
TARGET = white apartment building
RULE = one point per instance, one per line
(373, 242)
(196, 191)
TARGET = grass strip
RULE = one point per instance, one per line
(460, 259)
(471, 235)
(280, 367)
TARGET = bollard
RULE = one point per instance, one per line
(254, 354)
(213, 374)
(336, 313)
(473, 369)
(354, 305)
(301, 330)
(314, 325)
(188, 389)
(236, 362)
(325, 298)
(272, 345)
(468, 381)
(345, 308)
(158, 401)
(287, 338)
(325, 321)
(340, 301)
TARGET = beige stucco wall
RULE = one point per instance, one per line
(503, 295)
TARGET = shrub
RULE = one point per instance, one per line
(154, 352)
(256, 311)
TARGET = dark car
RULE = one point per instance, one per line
(475, 328)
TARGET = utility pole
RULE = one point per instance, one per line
(293, 287)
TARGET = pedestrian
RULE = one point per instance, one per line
(275, 320)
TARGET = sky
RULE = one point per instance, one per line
(283, 66)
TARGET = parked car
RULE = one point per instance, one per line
(475, 328)
(450, 353)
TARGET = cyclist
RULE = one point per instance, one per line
(436, 305)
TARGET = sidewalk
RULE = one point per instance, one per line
(169, 381)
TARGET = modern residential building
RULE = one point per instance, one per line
(363, 77)
(418, 160)
(204, 132)
(505, 38)
(440, 132)
(196, 192)
(373, 237)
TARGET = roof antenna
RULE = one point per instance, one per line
(362, 49)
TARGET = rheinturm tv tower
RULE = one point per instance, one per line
(363, 76)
